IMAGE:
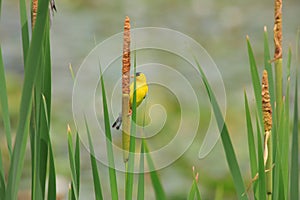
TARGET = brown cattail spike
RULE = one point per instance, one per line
(266, 105)
(126, 58)
(126, 90)
(34, 12)
(278, 30)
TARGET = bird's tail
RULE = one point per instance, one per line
(118, 122)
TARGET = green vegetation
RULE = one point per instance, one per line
(274, 160)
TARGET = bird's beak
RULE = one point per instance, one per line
(132, 76)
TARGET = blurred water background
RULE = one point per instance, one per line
(219, 26)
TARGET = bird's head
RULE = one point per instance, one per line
(140, 77)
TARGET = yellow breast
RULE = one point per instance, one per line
(141, 92)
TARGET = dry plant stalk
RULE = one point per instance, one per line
(278, 29)
(267, 116)
(266, 103)
(34, 12)
(126, 89)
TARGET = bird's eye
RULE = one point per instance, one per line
(138, 73)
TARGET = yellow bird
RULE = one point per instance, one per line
(141, 92)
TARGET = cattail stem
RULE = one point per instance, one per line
(278, 55)
(268, 147)
(126, 90)
(278, 86)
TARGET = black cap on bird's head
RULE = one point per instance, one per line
(139, 76)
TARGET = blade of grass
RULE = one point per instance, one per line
(77, 162)
(251, 143)
(278, 192)
(227, 144)
(24, 28)
(2, 177)
(285, 137)
(39, 125)
(194, 191)
(251, 146)
(294, 180)
(278, 87)
(70, 192)
(36, 187)
(42, 105)
(130, 163)
(255, 81)
(281, 141)
(4, 105)
(26, 99)
(110, 155)
(261, 166)
(52, 173)
(141, 181)
(97, 183)
(43, 99)
(72, 164)
(157, 186)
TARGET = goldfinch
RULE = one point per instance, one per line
(141, 92)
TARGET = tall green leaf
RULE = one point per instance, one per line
(130, 163)
(30, 76)
(194, 193)
(96, 178)
(279, 186)
(261, 166)
(285, 137)
(110, 155)
(227, 144)
(157, 186)
(251, 143)
(52, 175)
(2, 177)
(72, 165)
(255, 81)
(141, 181)
(24, 29)
(294, 178)
(77, 161)
(39, 126)
(4, 104)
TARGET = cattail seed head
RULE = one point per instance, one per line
(126, 57)
(34, 12)
(266, 103)
(278, 29)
